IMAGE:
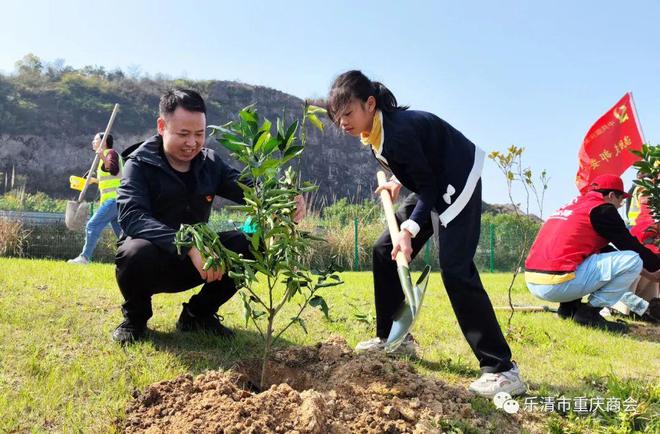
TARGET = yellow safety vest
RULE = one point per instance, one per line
(108, 184)
(634, 210)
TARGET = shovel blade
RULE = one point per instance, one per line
(76, 215)
(408, 311)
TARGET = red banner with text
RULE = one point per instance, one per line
(606, 146)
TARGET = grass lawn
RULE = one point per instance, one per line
(60, 371)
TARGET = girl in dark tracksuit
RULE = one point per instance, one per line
(443, 170)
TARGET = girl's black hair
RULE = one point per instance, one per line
(108, 141)
(354, 84)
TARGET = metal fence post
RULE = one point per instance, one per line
(356, 251)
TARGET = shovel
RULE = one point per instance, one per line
(77, 211)
(405, 316)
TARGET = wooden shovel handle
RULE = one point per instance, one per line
(392, 224)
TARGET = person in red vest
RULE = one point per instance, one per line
(565, 262)
(644, 227)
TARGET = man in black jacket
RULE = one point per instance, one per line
(169, 180)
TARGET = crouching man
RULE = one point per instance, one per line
(565, 263)
(169, 180)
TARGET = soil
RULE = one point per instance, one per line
(323, 389)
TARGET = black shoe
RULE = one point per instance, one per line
(567, 309)
(128, 332)
(589, 316)
(652, 313)
(211, 324)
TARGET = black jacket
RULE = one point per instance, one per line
(153, 200)
(607, 221)
(433, 159)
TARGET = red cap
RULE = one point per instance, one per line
(608, 182)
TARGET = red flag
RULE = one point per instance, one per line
(606, 146)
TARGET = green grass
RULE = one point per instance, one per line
(59, 370)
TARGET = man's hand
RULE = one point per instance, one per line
(652, 276)
(403, 245)
(210, 275)
(301, 209)
(392, 187)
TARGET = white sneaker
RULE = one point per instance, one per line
(489, 385)
(81, 260)
(407, 348)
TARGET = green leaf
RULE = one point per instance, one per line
(232, 145)
(312, 109)
(309, 188)
(292, 152)
(248, 114)
(318, 301)
(317, 123)
(327, 284)
(290, 134)
(265, 126)
(219, 130)
(270, 145)
(235, 275)
(280, 128)
(256, 238)
(256, 140)
(247, 308)
(292, 288)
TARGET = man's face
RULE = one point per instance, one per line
(184, 134)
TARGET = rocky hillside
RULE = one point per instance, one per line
(49, 114)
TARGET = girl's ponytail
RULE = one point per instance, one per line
(385, 99)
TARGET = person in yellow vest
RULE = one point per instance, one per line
(108, 177)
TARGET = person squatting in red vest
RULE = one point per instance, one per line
(567, 260)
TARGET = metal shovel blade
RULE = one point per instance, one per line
(408, 312)
(76, 215)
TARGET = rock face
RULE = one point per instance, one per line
(47, 136)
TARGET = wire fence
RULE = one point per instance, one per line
(348, 246)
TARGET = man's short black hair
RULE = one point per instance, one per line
(108, 141)
(186, 98)
(606, 192)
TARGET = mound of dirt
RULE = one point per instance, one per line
(323, 389)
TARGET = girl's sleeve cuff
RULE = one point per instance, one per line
(411, 226)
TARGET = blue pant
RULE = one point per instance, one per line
(606, 278)
(106, 213)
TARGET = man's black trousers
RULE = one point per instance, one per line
(144, 270)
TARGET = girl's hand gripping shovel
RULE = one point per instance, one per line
(407, 313)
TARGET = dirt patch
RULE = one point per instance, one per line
(322, 389)
(646, 331)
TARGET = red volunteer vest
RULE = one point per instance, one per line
(645, 228)
(567, 238)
